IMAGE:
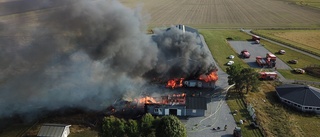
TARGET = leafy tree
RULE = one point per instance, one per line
(170, 126)
(250, 79)
(120, 125)
(132, 128)
(113, 127)
(146, 124)
(243, 78)
(234, 77)
(107, 126)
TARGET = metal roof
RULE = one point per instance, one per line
(301, 94)
(196, 103)
(52, 130)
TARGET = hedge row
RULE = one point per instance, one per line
(314, 71)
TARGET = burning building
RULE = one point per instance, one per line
(179, 105)
(81, 54)
(198, 76)
(203, 81)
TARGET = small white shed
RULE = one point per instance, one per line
(54, 130)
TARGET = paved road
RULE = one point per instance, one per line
(280, 44)
(281, 78)
(218, 113)
(255, 50)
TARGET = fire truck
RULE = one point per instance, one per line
(256, 38)
(245, 54)
(268, 61)
(268, 75)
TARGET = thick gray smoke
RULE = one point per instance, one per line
(87, 54)
(181, 55)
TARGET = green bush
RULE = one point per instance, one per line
(170, 126)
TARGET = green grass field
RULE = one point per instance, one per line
(219, 47)
(288, 74)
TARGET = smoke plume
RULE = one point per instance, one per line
(87, 54)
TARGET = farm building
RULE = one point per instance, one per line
(183, 106)
(54, 130)
(301, 97)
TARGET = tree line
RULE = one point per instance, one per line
(147, 126)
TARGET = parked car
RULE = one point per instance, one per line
(231, 57)
(299, 70)
(294, 61)
(282, 51)
(230, 63)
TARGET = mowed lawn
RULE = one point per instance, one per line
(220, 48)
(305, 39)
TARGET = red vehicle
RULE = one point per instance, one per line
(268, 75)
(245, 54)
(271, 56)
(268, 61)
(256, 38)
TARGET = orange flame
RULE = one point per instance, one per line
(146, 100)
(213, 76)
(174, 83)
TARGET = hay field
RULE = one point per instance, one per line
(309, 38)
(305, 39)
(227, 13)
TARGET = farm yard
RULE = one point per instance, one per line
(227, 13)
